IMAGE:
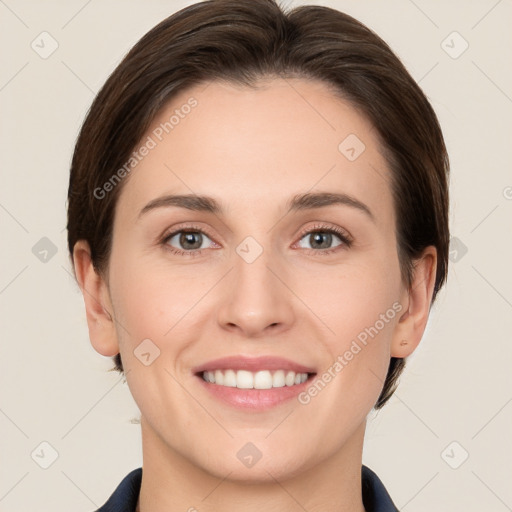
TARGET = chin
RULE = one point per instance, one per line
(250, 467)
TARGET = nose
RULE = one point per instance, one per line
(256, 300)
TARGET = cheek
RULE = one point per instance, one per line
(150, 303)
(359, 308)
(153, 310)
(353, 298)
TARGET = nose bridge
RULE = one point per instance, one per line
(256, 299)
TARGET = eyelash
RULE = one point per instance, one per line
(345, 238)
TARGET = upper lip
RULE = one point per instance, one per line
(252, 364)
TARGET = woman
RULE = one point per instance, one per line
(258, 221)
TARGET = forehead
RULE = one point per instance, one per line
(257, 146)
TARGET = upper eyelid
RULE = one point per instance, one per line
(338, 230)
(170, 233)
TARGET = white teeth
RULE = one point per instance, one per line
(289, 380)
(219, 377)
(229, 379)
(244, 379)
(278, 379)
(262, 379)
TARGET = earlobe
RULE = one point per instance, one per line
(97, 302)
(418, 298)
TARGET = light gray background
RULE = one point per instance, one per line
(56, 388)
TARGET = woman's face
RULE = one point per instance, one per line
(276, 270)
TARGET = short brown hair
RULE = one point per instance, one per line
(241, 41)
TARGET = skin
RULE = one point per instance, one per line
(252, 150)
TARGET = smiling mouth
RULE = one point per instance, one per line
(263, 379)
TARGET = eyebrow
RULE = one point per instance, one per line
(299, 202)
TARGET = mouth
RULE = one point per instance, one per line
(254, 383)
(263, 379)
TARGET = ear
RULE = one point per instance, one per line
(97, 301)
(416, 301)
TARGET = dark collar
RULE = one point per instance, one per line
(375, 495)
(124, 498)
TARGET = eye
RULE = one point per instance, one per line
(188, 242)
(191, 241)
(322, 238)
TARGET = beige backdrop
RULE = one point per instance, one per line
(443, 443)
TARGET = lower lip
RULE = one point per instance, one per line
(255, 399)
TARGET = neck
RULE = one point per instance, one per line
(171, 483)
